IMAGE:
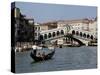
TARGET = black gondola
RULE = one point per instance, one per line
(46, 57)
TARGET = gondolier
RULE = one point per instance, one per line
(34, 47)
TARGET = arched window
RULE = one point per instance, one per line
(45, 36)
(38, 28)
(53, 34)
(62, 32)
(91, 37)
(81, 34)
(49, 35)
(58, 33)
(35, 28)
(77, 33)
(73, 32)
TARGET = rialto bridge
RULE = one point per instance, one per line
(60, 33)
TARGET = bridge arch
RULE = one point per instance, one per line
(49, 35)
(45, 36)
(84, 35)
(41, 37)
(53, 34)
(91, 37)
(77, 33)
(81, 34)
(88, 36)
(57, 33)
(62, 32)
(73, 32)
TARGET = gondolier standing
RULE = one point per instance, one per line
(34, 49)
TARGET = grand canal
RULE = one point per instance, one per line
(70, 58)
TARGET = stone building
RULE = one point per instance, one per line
(78, 24)
(24, 28)
(93, 27)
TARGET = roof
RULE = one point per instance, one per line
(84, 20)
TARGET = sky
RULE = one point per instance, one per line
(52, 12)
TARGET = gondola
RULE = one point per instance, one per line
(46, 57)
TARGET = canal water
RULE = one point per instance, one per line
(70, 58)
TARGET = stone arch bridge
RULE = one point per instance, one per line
(54, 34)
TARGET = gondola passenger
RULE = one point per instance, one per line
(38, 54)
(43, 54)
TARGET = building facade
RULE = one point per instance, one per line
(24, 28)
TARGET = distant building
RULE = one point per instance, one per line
(93, 27)
(78, 24)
